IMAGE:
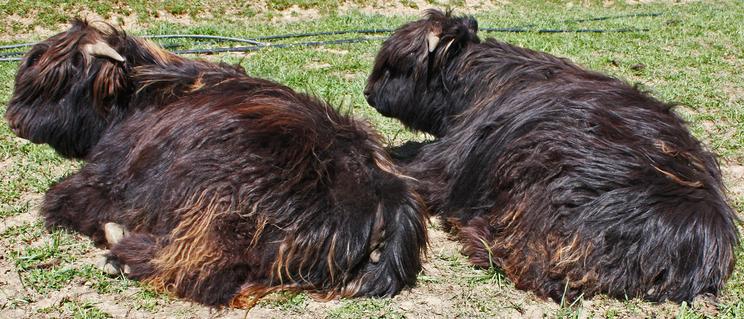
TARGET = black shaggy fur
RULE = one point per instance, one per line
(230, 186)
(573, 182)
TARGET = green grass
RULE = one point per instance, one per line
(365, 308)
(51, 12)
(292, 302)
(693, 55)
(74, 309)
(22, 235)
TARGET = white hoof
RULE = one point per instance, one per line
(114, 233)
(108, 267)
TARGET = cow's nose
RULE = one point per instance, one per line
(13, 124)
(16, 130)
(368, 97)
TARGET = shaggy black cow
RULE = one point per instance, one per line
(229, 186)
(571, 181)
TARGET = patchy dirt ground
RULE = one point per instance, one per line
(447, 288)
(735, 179)
(26, 26)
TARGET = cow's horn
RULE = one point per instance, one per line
(101, 49)
(432, 40)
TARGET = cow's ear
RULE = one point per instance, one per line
(448, 33)
(464, 30)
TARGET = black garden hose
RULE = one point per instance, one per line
(257, 43)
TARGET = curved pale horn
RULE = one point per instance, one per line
(432, 40)
(101, 49)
